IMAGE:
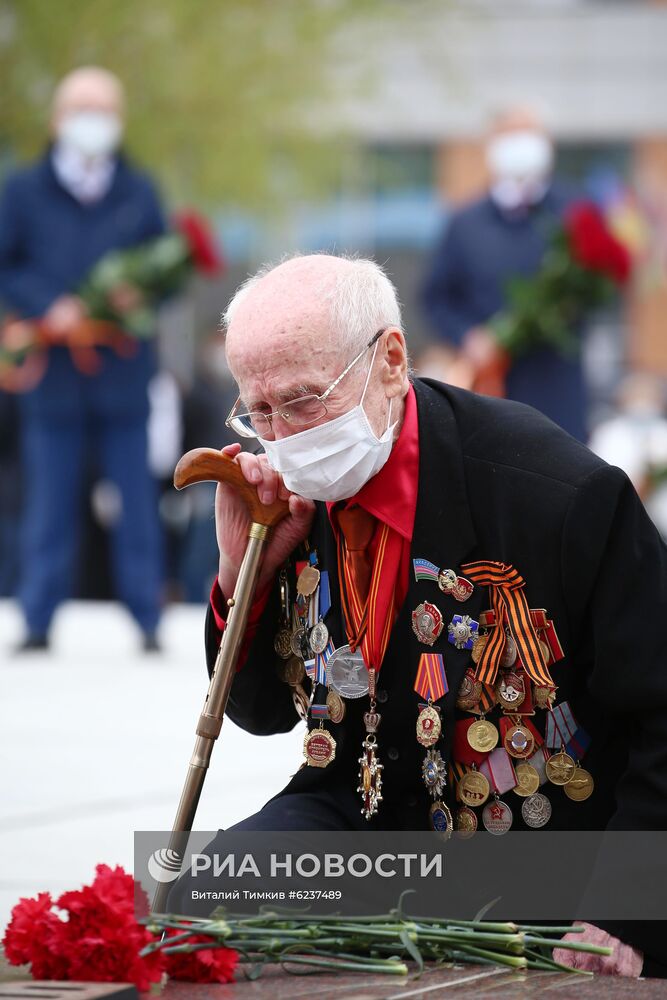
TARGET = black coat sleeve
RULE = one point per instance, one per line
(614, 567)
(259, 702)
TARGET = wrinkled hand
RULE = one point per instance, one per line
(624, 960)
(64, 315)
(231, 521)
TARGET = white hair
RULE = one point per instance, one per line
(362, 300)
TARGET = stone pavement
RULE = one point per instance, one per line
(95, 738)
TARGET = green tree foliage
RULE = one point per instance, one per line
(219, 91)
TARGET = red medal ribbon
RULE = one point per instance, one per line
(431, 680)
(368, 623)
(507, 595)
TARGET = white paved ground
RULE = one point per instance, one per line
(94, 743)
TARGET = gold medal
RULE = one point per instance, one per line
(510, 690)
(543, 697)
(546, 651)
(319, 747)
(370, 777)
(298, 641)
(336, 706)
(560, 768)
(301, 701)
(307, 582)
(527, 780)
(478, 648)
(282, 643)
(465, 822)
(474, 789)
(483, 736)
(292, 671)
(429, 726)
(519, 741)
(470, 691)
(580, 786)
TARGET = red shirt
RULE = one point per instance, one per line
(391, 496)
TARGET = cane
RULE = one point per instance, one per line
(198, 466)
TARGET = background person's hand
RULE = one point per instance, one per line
(63, 315)
(231, 520)
(624, 960)
(125, 297)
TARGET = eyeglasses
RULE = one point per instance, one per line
(297, 412)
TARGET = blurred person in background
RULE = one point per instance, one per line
(635, 439)
(58, 217)
(10, 493)
(484, 245)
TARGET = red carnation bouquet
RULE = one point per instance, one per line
(582, 268)
(121, 294)
(92, 935)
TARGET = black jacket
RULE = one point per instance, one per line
(498, 481)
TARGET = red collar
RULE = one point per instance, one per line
(391, 495)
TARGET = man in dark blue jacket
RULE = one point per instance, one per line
(58, 217)
(485, 244)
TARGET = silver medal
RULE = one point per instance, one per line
(318, 637)
(536, 810)
(347, 673)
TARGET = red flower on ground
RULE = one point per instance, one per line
(209, 965)
(100, 942)
(593, 245)
(196, 231)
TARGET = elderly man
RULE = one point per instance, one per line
(58, 217)
(452, 567)
(484, 245)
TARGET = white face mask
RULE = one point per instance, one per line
(520, 156)
(91, 133)
(334, 460)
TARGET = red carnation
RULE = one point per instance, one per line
(204, 252)
(592, 244)
(207, 965)
(33, 937)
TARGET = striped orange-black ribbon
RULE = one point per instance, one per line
(368, 623)
(507, 594)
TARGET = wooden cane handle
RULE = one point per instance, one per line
(208, 465)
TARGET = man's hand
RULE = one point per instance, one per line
(624, 960)
(231, 521)
(63, 315)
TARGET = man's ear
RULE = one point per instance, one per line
(395, 371)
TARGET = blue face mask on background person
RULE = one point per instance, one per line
(333, 460)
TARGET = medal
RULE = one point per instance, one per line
(336, 706)
(510, 690)
(465, 823)
(497, 817)
(462, 631)
(470, 691)
(318, 637)
(580, 786)
(519, 741)
(447, 579)
(370, 768)
(560, 768)
(282, 643)
(347, 673)
(482, 736)
(474, 789)
(478, 647)
(429, 726)
(299, 643)
(292, 671)
(301, 701)
(440, 819)
(427, 623)
(527, 780)
(536, 810)
(319, 747)
(434, 772)
(307, 581)
(508, 655)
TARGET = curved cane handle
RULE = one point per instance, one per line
(208, 465)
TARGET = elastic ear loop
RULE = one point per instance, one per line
(368, 376)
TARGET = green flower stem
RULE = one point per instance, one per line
(393, 968)
(593, 949)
